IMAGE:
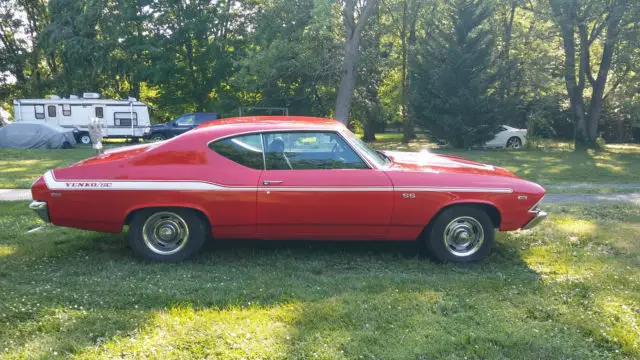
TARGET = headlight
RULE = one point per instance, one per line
(147, 130)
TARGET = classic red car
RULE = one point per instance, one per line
(286, 178)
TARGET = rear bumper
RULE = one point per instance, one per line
(540, 215)
(41, 208)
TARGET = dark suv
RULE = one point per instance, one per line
(177, 126)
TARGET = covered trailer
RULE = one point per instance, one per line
(120, 118)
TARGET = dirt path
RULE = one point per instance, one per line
(633, 198)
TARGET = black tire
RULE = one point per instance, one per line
(458, 220)
(157, 137)
(513, 143)
(84, 139)
(150, 247)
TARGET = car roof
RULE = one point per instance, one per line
(226, 127)
(275, 120)
(43, 124)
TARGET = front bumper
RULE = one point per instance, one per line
(540, 215)
(40, 207)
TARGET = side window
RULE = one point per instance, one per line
(203, 118)
(185, 120)
(66, 109)
(51, 110)
(99, 112)
(245, 150)
(124, 119)
(39, 111)
(309, 151)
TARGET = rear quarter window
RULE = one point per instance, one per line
(245, 150)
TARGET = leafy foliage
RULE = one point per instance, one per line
(446, 67)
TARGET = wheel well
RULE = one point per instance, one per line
(202, 215)
(492, 211)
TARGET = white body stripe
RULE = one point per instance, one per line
(194, 185)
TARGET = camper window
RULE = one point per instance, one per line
(39, 110)
(124, 119)
(66, 109)
(51, 109)
(99, 112)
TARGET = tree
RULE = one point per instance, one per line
(403, 16)
(294, 60)
(22, 71)
(576, 19)
(353, 31)
(451, 78)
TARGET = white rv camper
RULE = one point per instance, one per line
(120, 118)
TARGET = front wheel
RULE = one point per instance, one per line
(460, 234)
(166, 234)
(85, 139)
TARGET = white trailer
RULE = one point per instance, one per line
(120, 118)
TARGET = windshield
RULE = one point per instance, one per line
(373, 155)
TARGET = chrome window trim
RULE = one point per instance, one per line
(264, 156)
(371, 163)
(364, 159)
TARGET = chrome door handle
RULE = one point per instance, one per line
(271, 182)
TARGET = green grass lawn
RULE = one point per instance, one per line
(619, 164)
(554, 163)
(567, 289)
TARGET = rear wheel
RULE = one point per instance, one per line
(460, 234)
(157, 137)
(167, 234)
(514, 142)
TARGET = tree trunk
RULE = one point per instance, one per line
(565, 13)
(353, 33)
(505, 90)
(369, 132)
(599, 84)
(347, 82)
(408, 128)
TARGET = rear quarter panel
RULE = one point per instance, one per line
(90, 195)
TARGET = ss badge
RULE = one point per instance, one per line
(408, 195)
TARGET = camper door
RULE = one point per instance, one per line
(97, 111)
(51, 114)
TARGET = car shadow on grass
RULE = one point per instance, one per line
(68, 292)
(82, 293)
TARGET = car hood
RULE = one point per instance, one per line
(426, 161)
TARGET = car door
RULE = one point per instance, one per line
(237, 170)
(183, 124)
(315, 186)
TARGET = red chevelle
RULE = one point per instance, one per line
(286, 178)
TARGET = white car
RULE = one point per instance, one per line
(508, 137)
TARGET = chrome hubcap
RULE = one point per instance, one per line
(165, 233)
(463, 236)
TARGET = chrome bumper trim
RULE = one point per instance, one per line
(540, 215)
(40, 207)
